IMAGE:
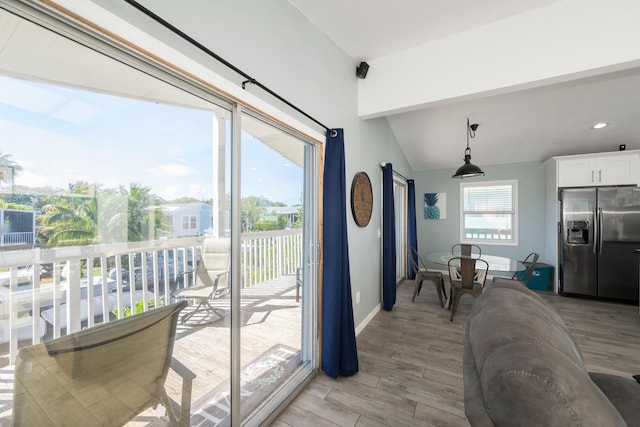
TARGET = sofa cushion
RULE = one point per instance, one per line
(623, 392)
(522, 367)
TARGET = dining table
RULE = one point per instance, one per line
(498, 265)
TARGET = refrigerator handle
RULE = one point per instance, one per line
(595, 231)
(601, 231)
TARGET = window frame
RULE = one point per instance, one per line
(515, 214)
(189, 222)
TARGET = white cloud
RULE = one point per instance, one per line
(170, 192)
(196, 191)
(78, 112)
(172, 169)
(30, 179)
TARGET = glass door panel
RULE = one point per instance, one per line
(113, 184)
(272, 217)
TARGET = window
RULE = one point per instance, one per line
(489, 212)
(189, 222)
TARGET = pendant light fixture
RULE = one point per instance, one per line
(468, 170)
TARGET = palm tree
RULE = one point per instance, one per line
(69, 221)
(5, 160)
(252, 209)
(6, 177)
(144, 218)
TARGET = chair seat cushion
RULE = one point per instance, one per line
(194, 292)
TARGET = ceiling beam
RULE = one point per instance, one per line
(557, 43)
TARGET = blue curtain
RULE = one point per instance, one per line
(339, 352)
(388, 240)
(412, 235)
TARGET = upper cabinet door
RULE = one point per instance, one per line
(576, 172)
(610, 169)
(618, 170)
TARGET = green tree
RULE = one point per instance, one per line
(5, 160)
(69, 221)
(8, 169)
(144, 216)
(299, 217)
(253, 207)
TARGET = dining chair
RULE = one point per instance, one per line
(524, 276)
(466, 276)
(466, 250)
(423, 273)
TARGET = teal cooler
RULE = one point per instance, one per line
(541, 277)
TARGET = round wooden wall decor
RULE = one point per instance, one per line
(361, 199)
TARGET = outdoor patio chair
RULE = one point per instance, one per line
(102, 376)
(211, 277)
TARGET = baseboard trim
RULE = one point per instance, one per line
(368, 319)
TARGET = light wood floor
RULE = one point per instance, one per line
(411, 362)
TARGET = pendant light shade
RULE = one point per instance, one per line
(468, 170)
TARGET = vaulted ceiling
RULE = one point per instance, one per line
(534, 74)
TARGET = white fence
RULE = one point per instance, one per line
(74, 287)
(17, 238)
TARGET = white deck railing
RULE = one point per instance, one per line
(270, 254)
(17, 238)
(49, 281)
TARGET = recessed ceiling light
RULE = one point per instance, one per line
(599, 125)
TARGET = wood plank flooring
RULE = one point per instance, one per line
(411, 362)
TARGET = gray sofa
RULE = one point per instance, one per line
(522, 367)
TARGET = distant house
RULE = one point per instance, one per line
(17, 229)
(187, 219)
(291, 212)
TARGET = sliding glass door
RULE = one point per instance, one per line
(273, 288)
(125, 187)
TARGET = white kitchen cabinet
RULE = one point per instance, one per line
(617, 168)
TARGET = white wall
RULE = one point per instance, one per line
(558, 42)
(276, 45)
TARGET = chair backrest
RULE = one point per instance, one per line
(482, 269)
(414, 264)
(466, 250)
(468, 271)
(215, 261)
(105, 375)
(416, 256)
(413, 259)
(525, 276)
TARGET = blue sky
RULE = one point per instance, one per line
(61, 135)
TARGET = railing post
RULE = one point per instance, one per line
(73, 295)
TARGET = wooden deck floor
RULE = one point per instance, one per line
(271, 324)
(411, 362)
(270, 315)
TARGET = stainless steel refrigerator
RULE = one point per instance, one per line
(600, 235)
